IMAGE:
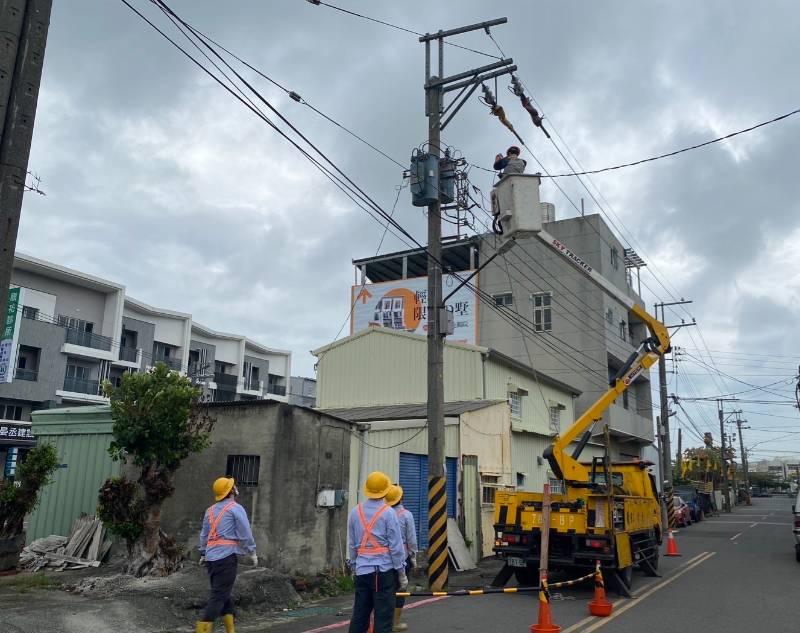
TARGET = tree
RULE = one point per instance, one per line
(17, 499)
(158, 421)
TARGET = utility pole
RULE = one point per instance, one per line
(666, 454)
(435, 88)
(739, 428)
(680, 451)
(726, 500)
(24, 25)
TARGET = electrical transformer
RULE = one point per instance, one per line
(424, 178)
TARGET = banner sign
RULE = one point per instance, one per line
(10, 337)
(13, 434)
(403, 305)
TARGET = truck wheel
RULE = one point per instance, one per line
(527, 577)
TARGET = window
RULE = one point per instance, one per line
(21, 362)
(542, 313)
(79, 372)
(614, 258)
(161, 350)
(625, 399)
(610, 316)
(556, 486)
(520, 480)
(555, 419)
(489, 484)
(243, 469)
(30, 313)
(505, 300)
(623, 330)
(515, 400)
(75, 324)
(10, 412)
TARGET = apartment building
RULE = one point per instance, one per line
(78, 330)
(580, 333)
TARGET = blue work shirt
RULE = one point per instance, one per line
(233, 526)
(407, 528)
(386, 532)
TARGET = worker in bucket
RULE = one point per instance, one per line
(409, 531)
(511, 164)
(377, 557)
(226, 534)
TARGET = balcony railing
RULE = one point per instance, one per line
(79, 385)
(128, 354)
(278, 390)
(26, 374)
(169, 361)
(87, 339)
(253, 384)
(226, 380)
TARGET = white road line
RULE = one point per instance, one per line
(748, 522)
(628, 604)
(735, 536)
(753, 525)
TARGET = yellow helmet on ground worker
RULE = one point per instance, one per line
(377, 485)
(222, 487)
(394, 495)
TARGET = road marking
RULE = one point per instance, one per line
(753, 525)
(748, 522)
(413, 605)
(733, 538)
(698, 560)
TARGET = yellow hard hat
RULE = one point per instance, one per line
(222, 487)
(377, 485)
(394, 495)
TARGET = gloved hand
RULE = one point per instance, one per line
(402, 579)
(412, 560)
(202, 560)
(253, 559)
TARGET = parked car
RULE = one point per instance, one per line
(683, 514)
(692, 498)
(796, 526)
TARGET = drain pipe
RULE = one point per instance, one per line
(363, 430)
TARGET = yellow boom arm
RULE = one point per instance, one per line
(563, 465)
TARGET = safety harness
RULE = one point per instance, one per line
(369, 546)
(214, 539)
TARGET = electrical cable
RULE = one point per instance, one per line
(399, 28)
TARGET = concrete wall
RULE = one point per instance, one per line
(301, 452)
(262, 364)
(52, 363)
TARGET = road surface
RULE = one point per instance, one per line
(737, 572)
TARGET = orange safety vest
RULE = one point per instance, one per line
(369, 546)
(213, 538)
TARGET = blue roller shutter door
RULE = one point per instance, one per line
(414, 481)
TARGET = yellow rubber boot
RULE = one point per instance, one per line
(204, 627)
(227, 620)
(398, 625)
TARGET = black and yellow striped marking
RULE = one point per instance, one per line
(437, 534)
(492, 590)
(671, 508)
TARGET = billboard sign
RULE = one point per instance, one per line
(403, 305)
(10, 336)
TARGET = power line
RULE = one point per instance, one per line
(397, 27)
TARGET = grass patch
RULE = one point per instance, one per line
(28, 582)
(346, 583)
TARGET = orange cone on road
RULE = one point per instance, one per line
(672, 547)
(600, 606)
(545, 623)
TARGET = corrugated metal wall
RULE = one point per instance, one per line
(82, 437)
(535, 406)
(383, 368)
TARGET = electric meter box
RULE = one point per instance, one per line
(424, 178)
(515, 205)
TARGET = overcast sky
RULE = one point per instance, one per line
(158, 179)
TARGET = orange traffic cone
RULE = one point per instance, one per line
(600, 606)
(545, 623)
(672, 547)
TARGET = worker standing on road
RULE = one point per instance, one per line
(226, 532)
(511, 164)
(377, 557)
(409, 531)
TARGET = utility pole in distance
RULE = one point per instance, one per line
(745, 469)
(24, 25)
(435, 88)
(726, 499)
(679, 453)
(666, 452)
